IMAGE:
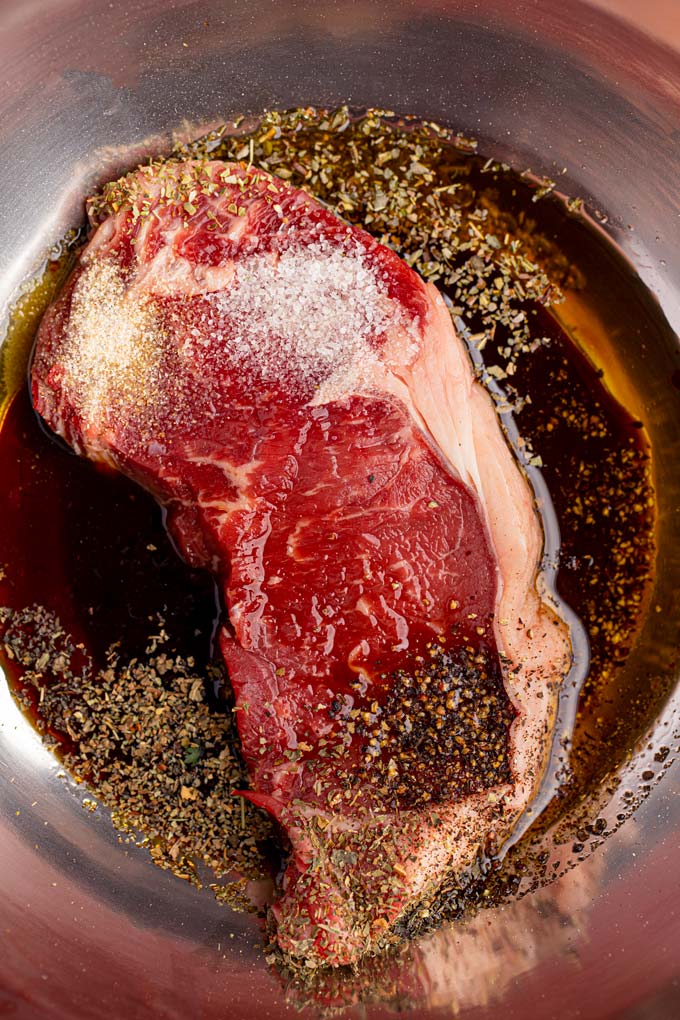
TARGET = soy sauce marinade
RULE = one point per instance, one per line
(90, 547)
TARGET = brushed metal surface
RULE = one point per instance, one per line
(89, 928)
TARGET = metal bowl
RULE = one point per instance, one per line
(90, 928)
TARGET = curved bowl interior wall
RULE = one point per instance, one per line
(92, 928)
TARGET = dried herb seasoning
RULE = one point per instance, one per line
(143, 737)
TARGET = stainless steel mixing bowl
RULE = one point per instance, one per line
(88, 927)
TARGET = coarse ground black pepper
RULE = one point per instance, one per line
(441, 733)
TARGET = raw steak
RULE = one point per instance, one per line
(298, 399)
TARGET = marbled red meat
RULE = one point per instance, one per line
(298, 399)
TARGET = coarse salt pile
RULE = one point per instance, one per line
(309, 315)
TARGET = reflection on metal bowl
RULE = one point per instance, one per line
(90, 927)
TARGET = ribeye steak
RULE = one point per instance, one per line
(298, 399)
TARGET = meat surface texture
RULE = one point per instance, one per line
(298, 399)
